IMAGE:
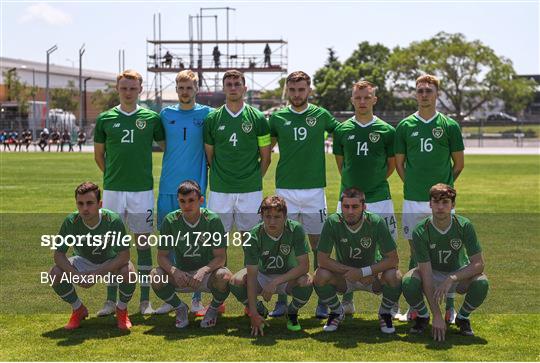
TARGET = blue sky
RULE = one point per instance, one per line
(511, 28)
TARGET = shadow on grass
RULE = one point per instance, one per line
(233, 326)
(91, 328)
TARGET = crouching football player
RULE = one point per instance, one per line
(359, 237)
(197, 237)
(277, 262)
(90, 260)
(449, 260)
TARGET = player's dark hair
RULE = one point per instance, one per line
(442, 191)
(298, 76)
(233, 73)
(352, 192)
(273, 202)
(88, 187)
(189, 186)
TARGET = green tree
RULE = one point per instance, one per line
(19, 92)
(65, 98)
(105, 99)
(471, 73)
(333, 82)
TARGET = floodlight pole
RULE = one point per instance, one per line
(81, 52)
(49, 52)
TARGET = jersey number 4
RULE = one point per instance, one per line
(233, 139)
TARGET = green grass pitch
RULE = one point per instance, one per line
(500, 194)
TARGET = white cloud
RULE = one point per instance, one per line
(45, 13)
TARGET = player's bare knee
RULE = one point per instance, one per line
(304, 281)
(413, 274)
(221, 278)
(239, 278)
(156, 276)
(322, 277)
(392, 277)
(55, 274)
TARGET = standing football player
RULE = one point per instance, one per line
(123, 141)
(184, 157)
(300, 130)
(364, 151)
(237, 145)
(429, 150)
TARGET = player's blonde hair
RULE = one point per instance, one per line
(428, 78)
(129, 74)
(442, 191)
(87, 187)
(364, 84)
(273, 202)
(187, 76)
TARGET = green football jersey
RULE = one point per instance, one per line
(365, 150)
(236, 140)
(128, 148)
(448, 251)
(90, 249)
(276, 257)
(300, 138)
(427, 147)
(359, 248)
(193, 245)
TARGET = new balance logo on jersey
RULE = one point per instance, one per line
(221, 128)
(414, 134)
(287, 123)
(172, 122)
(350, 137)
(432, 246)
(266, 253)
(116, 124)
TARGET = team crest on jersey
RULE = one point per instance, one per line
(311, 121)
(247, 126)
(344, 240)
(198, 122)
(365, 242)
(455, 243)
(285, 249)
(437, 132)
(140, 123)
(374, 137)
